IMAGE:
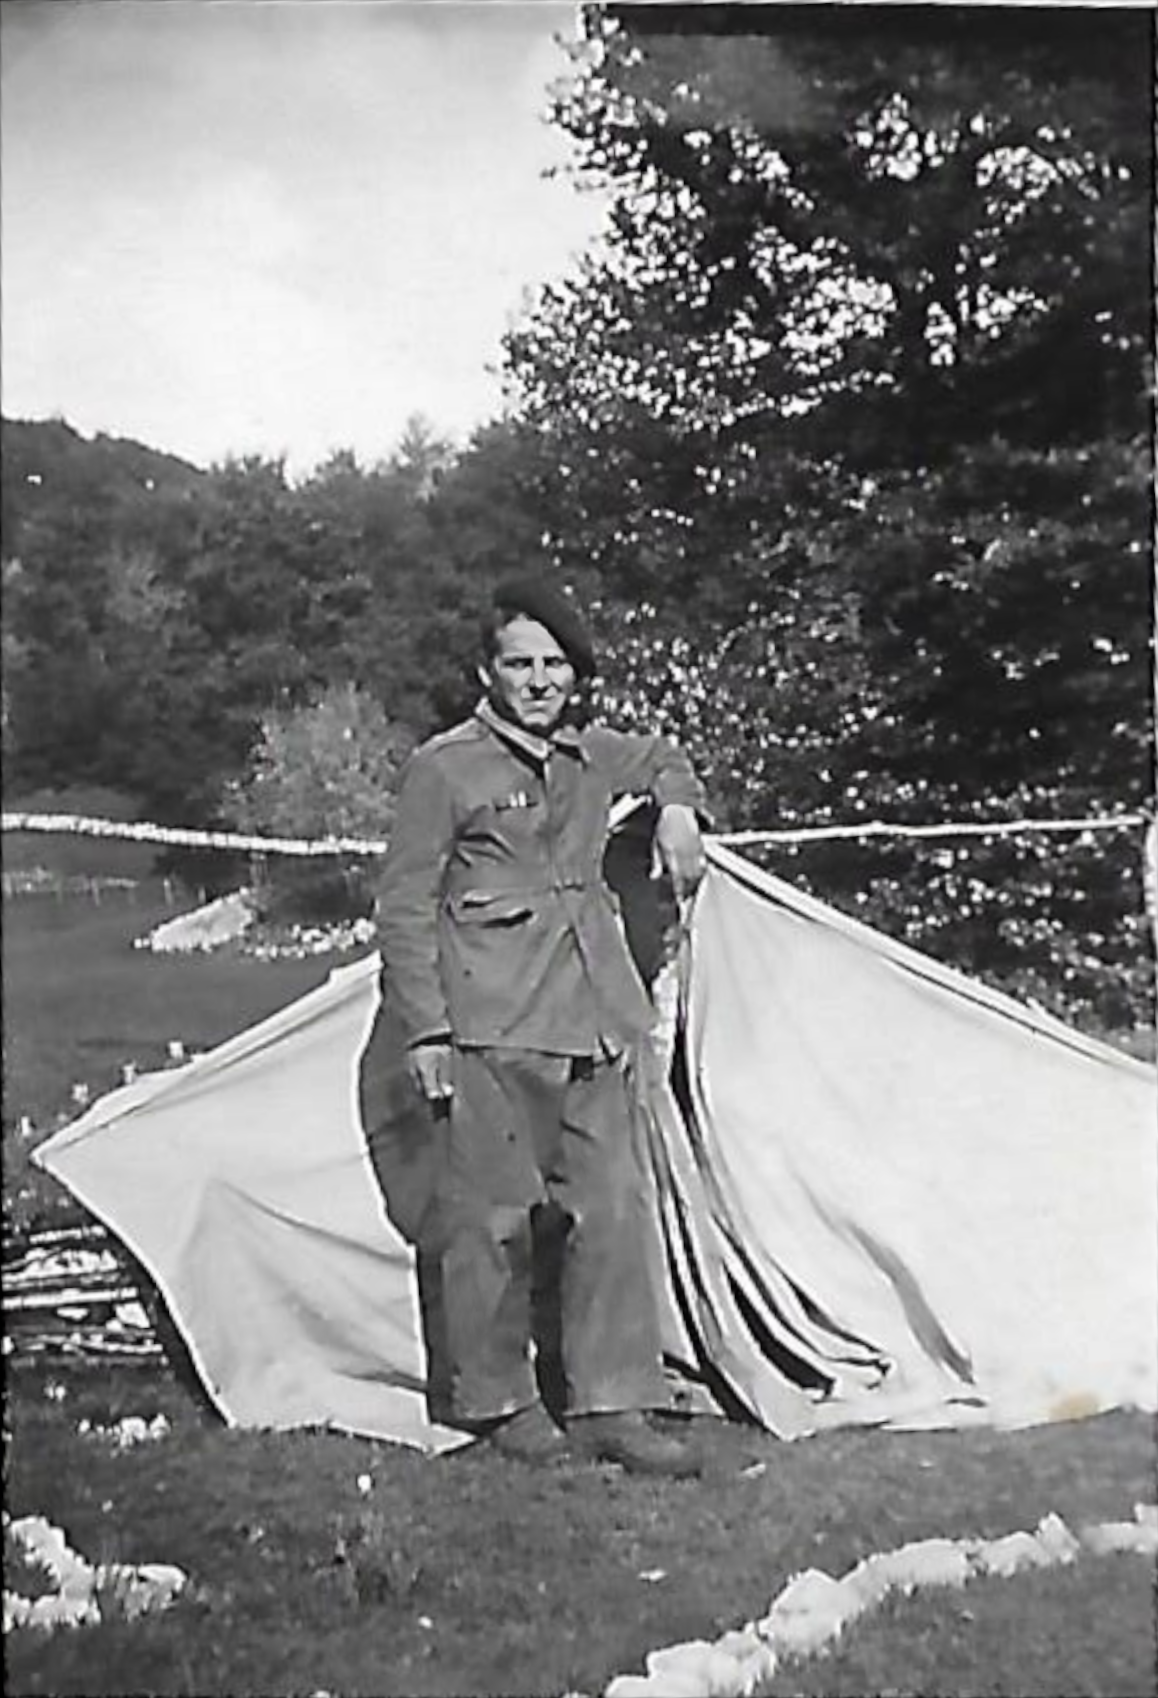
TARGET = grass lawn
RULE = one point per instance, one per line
(495, 1579)
(79, 999)
(488, 1578)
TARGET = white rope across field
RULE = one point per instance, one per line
(961, 828)
(187, 837)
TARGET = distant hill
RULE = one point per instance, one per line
(48, 467)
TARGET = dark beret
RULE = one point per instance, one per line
(541, 600)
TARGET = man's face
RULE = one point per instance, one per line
(528, 678)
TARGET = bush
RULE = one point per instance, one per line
(326, 769)
(322, 890)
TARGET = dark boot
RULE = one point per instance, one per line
(626, 1438)
(530, 1435)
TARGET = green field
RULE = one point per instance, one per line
(492, 1579)
(79, 1000)
(483, 1577)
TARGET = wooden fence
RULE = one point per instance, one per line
(39, 881)
(71, 1292)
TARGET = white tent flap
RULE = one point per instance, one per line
(885, 1194)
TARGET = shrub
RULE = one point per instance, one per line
(328, 768)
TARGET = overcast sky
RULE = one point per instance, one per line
(235, 226)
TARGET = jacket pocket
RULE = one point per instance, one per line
(489, 908)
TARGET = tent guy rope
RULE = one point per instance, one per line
(960, 828)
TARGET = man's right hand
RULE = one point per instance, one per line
(431, 1073)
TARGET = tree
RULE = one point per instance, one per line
(154, 614)
(849, 411)
(326, 769)
(93, 609)
(883, 213)
(421, 457)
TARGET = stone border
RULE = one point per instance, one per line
(812, 1611)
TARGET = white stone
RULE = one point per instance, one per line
(1121, 1536)
(1007, 1556)
(152, 1586)
(1056, 1540)
(46, 1544)
(59, 1610)
(698, 1668)
(165, 1579)
(16, 1611)
(137, 1591)
(813, 1607)
(811, 1610)
(925, 1562)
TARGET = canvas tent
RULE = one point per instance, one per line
(885, 1194)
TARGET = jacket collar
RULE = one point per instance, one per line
(539, 749)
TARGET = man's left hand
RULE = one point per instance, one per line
(680, 848)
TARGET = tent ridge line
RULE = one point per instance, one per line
(920, 966)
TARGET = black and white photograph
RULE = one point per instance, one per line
(580, 856)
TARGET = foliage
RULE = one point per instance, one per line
(115, 1004)
(844, 425)
(155, 614)
(847, 417)
(1024, 913)
(92, 666)
(848, 220)
(326, 769)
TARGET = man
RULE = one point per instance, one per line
(505, 966)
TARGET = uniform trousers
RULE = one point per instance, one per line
(527, 1129)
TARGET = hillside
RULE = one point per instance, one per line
(48, 467)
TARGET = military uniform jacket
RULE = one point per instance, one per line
(495, 924)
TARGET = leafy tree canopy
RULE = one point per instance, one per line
(848, 415)
(328, 768)
(858, 217)
(155, 615)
